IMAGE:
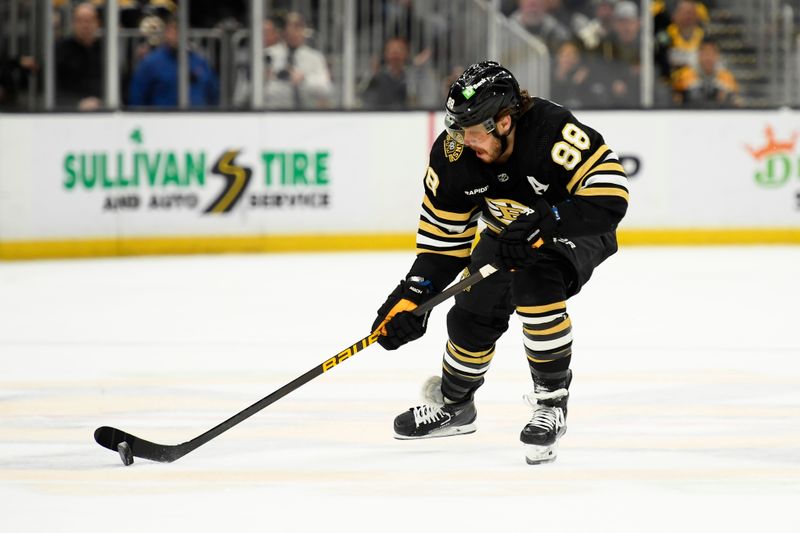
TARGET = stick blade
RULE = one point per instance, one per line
(111, 438)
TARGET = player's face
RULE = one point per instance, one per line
(483, 143)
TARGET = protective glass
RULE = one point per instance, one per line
(456, 131)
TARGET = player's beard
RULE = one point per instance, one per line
(490, 154)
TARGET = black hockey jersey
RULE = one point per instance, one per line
(555, 157)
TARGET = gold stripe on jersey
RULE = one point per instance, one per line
(604, 179)
(603, 191)
(447, 216)
(436, 230)
(445, 232)
(586, 167)
(614, 166)
(453, 253)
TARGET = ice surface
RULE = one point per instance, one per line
(684, 411)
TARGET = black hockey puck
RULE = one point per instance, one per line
(125, 453)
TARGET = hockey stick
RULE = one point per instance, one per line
(129, 446)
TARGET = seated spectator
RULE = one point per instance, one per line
(533, 16)
(572, 14)
(662, 13)
(155, 81)
(272, 34)
(130, 13)
(677, 45)
(14, 77)
(398, 84)
(708, 85)
(619, 56)
(298, 76)
(573, 84)
(161, 8)
(591, 31)
(79, 62)
(273, 29)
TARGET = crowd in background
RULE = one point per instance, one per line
(595, 46)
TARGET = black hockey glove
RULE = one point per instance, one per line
(518, 243)
(400, 325)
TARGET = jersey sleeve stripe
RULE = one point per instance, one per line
(614, 179)
(450, 228)
(447, 216)
(603, 191)
(586, 167)
(611, 166)
(461, 253)
(444, 243)
(441, 231)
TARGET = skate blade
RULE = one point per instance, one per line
(537, 455)
(466, 429)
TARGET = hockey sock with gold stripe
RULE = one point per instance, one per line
(463, 370)
(547, 331)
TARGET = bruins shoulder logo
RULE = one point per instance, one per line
(452, 149)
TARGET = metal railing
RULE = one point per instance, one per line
(351, 35)
(796, 90)
(792, 51)
(770, 28)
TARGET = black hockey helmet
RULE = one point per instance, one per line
(479, 94)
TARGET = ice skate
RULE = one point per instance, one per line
(547, 425)
(435, 418)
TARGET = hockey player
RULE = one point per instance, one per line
(532, 173)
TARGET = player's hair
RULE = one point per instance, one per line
(525, 103)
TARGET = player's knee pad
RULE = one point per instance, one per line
(547, 333)
(474, 331)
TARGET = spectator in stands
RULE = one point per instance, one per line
(14, 77)
(662, 13)
(273, 28)
(573, 83)
(298, 76)
(130, 13)
(708, 85)
(209, 13)
(399, 84)
(677, 45)
(592, 30)
(404, 18)
(533, 16)
(79, 62)
(155, 81)
(571, 14)
(272, 34)
(619, 56)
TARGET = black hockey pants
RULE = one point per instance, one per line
(538, 294)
